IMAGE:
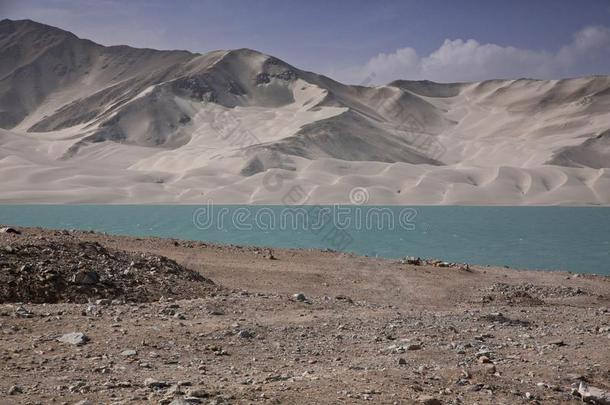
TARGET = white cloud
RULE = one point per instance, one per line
(469, 60)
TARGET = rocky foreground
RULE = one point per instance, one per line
(92, 318)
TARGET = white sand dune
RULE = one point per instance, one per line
(83, 123)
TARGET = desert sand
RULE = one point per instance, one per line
(84, 123)
(106, 319)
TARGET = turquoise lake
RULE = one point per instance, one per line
(553, 238)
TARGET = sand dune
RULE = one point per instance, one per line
(86, 123)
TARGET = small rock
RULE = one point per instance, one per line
(14, 390)
(415, 261)
(174, 390)
(592, 394)
(74, 338)
(152, 383)
(129, 353)
(299, 297)
(23, 312)
(413, 346)
(484, 360)
(245, 334)
(86, 277)
(402, 361)
(198, 393)
(9, 229)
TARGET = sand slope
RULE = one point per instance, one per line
(87, 123)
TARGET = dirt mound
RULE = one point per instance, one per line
(54, 272)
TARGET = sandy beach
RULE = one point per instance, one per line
(108, 320)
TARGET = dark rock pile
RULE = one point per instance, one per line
(53, 272)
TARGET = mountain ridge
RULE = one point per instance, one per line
(243, 114)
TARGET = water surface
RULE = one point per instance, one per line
(553, 238)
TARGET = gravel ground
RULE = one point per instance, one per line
(287, 326)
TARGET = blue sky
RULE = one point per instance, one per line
(357, 40)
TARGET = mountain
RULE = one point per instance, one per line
(82, 122)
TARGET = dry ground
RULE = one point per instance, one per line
(367, 330)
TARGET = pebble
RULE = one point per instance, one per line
(152, 383)
(86, 277)
(74, 338)
(129, 353)
(23, 312)
(299, 297)
(593, 394)
(197, 392)
(9, 229)
(14, 390)
(245, 334)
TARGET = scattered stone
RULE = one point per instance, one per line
(129, 353)
(23, 312)
(86, 277)
(245, 334)
(74, 338)
(9, 229)
(484, 360)
(402, 361)
(198, 393)
(299, 297)
(593, 394)
(14, 390)
(412, 260)
(152, 383)
(465, 267)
